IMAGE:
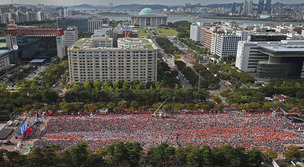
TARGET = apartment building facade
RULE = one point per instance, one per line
(96, 59)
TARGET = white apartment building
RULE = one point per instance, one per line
(70, 36)
(4, 59)
(248, 55)
(195, 32)
(226, 44)
(95, 59)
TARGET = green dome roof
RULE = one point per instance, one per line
(147, 10)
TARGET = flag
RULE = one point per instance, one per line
(24, 128)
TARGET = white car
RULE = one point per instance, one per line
(9, 123)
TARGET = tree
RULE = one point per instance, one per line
(254, 106)
(159, 156)
(36, 159)
(125, 84)
(208, 156)
(219, 107)
(122, 104)
(118, 153)
(12, 156)
(115, 84)
(134, 104)
(182, 153)
(167, 107)
(234, 105)
(79, 154)
(94, 160)
(140, 86)
(111, 106)
(49, 95)
(254, 158)
(271, 154)
(50, 155)
(87, 84)
(292, 153)
(195, 158)
(97, 84)
(267, 106)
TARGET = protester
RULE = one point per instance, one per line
(261, 131)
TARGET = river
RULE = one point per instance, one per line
(206, 20)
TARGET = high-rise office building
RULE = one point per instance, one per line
(268, 6)
(80, 22)
(260, 6)
(97, 23)
(195, 32)
(234, 8)
(70, 36)
(135, 59)
(226, 44)
(245, 7)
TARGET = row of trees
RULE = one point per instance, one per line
(238, 74)
(196, 46)
(167, 45)
(133, 106)
(53, 73)
(23, 74)
(190, 75)
(132, 155)
(206, 74)
(92, 92)
(166, 75)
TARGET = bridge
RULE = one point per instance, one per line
(12, 31)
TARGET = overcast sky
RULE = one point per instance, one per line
(118, 2)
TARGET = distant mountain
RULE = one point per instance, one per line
(140, 6)
(83, 6)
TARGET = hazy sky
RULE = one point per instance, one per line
(118, 2)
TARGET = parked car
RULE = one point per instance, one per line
(8, 143)
(9, 123)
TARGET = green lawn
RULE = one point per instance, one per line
(177, 56)
(170, 32)
(143, 32)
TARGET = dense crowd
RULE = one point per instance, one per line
(247, 130)
(187, 57)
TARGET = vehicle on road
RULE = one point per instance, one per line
(8, 143)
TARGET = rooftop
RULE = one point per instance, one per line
(147, 10)
(123, 44)
(37, 61)
(3, 45)
(4, 52)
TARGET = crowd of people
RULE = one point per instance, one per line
(261, 131)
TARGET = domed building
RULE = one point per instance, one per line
(148, 18)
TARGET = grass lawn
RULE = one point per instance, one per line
(170, 32)
(143, 32)
(177, 56)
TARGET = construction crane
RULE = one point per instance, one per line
(160, 114)
(275, 112)
(127, 35)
